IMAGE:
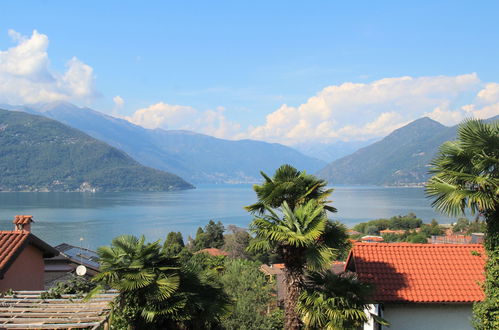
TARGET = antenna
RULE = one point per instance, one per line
(81, 270)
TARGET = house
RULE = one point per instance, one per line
(275, 273)
(371, 239)
(389, 231)
(474, 238)
(421, 286)
(63, 266)
(213, 252)
(21, 257)
(351, 232)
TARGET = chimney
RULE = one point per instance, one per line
(23, 222)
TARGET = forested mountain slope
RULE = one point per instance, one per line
(196, 157)
(41, 154)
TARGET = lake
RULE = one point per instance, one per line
(99, 217)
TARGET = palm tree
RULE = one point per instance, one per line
(290, 185)
(145, 277)
(155, 292)
(302, 237)
(335, 302)
(466, 176)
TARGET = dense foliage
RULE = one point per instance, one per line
(405, 222)
(463, 225)
(466, 176)
(40, 154)
(174, 243)
(155, 291)
(77, 285)
(211, 237)
(253, 302)
(335, 302)
(291, 186)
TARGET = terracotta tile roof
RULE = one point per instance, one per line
(23, 219)
(13, 242)
(271, 270)
(213, 252)
(389, 231)
(371, 238)
(10, 243)
(421, 273)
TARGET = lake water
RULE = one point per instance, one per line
(99, 217)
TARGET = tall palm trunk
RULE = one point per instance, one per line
(293, 275)
(492, 234)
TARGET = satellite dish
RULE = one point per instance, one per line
(81, 270)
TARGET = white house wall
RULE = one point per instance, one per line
(428, 316)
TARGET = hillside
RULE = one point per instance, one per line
(196, 157)
(40, 154)
(401, 158)
(330, 152)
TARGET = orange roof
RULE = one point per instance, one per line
(389, 231)
(422, 273)
(13, 242)
(10, 242)
(23, 219)
(213, 252)
(371, 238)
(272, 269)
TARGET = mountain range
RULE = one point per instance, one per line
(198, 158)
(41, 154)
(400, 159)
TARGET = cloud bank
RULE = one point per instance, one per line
(26, 76)
(349, 111)
(167, 116)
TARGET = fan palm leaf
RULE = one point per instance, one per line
(466, 177)
(290, 185)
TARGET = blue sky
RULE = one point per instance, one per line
(282, 71)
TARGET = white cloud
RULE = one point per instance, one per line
(118, 101)
(354, 111)
(167, 116)
(490, 94)
(26, 77)
(118, 105)
(350, 111)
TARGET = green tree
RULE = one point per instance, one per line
(335, 302)
(251, 294)
(174, 243)
(155, 292)
(417, 238)
(290, 185)
(214, 233)
(211, 237)
(466, 176)
(236, 242)
(462, 224)
(304, 238)
(145, 277)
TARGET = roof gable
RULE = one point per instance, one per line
(422, 273)
(12, 244)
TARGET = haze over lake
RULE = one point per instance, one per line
(99, 217)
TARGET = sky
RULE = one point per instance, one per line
(280, 71)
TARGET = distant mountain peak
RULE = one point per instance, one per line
(194, 156)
